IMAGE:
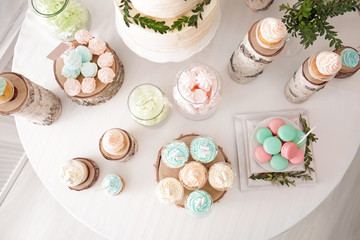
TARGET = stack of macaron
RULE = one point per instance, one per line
(79, 60)
(279, 145)
(193, 174)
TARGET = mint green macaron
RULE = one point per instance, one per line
(299, 135)
(262, 134)
(272, 145)
(286, 133)
(279, 163)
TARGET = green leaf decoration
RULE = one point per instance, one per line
(160, 26)
(309, 19)
(288, 178)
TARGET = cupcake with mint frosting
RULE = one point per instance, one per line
(113, 184)
(203, 149)
(175, 154)
(198, 203)
(170, 190)
(350, 62)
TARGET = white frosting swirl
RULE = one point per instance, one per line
(273, 31)
(74, 173)
(106, 75)
(328, 63)
(83, 36)
(88, 85)
(115, 142)
(105, 60)
(221, 176)
(97, 46)
(193, 175)
(72, 87)
(170, 190)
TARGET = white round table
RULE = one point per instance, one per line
(136, 213)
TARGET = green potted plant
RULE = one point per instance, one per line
(308, 19)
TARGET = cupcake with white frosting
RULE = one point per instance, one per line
(271, 33)
(193, 175)
(170, 190)
(324, 65)
(221, 176)
(117, 144)
(73, 173)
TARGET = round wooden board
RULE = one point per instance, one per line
(20, 95)
(93, 174)
(163, 171)
(100, 87)
(258, 48)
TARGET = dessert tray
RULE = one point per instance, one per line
(245, 124)
(163, 171)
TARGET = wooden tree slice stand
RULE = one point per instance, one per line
(93, 174)
(349, 72)
(103, 92)
(31, 101)
(259, 5)
(163, 171)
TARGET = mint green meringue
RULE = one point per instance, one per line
(89, 69)
(85, 53)
(69, 73)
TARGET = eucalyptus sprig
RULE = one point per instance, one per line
(288, 178)
(160, 26)
(309, 19)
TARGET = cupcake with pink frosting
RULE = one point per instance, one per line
(117, 144)
(197, 91)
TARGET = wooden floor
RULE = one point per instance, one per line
(30, 212)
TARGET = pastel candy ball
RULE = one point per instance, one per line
(260, 155)
(299, 157)
(72, 60)
(286, 133)
(289, 150)
(279, 163)
(299, 135)
(275, 124)
(70, 73)
(89, 69)
(272, 145)
(85, 53)
(203, 149)
(262, 134)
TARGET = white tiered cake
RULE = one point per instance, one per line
(167, 30)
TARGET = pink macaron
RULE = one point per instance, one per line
(274, 125)
(299, 157)
(261, 156)
(289, 150)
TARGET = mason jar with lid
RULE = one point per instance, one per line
(63, 18)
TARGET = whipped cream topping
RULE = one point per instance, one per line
(97, 46)
(170, 190)
(83, 36)
(221, 176)
(197, 90)
(193, 175)
(88, 85)
(73, 173)
(72, 87)
(115, 142)
(106, 75)
(105, 60)
(328, 63)
(272, 30)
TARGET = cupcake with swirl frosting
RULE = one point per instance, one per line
(170, 190)
(198, 203)
(113, 184)
(350, 62)
(73, 173)
(175, 154)
(203, 149)
(324, 66)
(117, 144)
(221, 176)
(193, 175)
(271, 33)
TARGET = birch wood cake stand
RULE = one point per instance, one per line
(163, 171)
(103, 92)
(31, 101)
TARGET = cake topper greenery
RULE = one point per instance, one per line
(160, 26)
(309, 19)
(288, 178)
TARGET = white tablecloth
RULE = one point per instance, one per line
(136, 213)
